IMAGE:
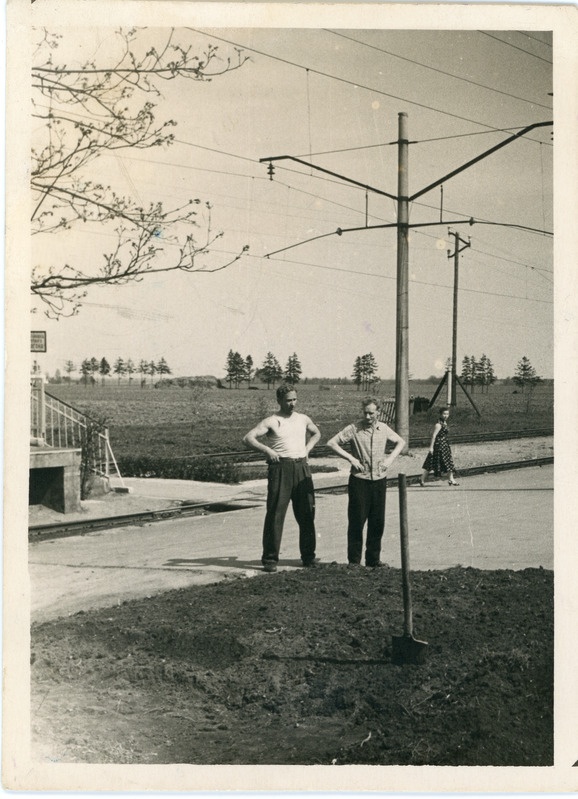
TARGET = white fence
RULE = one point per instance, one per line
(57, 424)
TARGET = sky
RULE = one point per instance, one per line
(332, 97)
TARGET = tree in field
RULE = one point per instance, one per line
(103, 369)
(270, 371)
(129, 369)
(119, 368)
(99, 109)
(143, 370)
(293, 370)
(465, 375)
(469, 371)
(163, 368)
(234, 369)
(85, 371)
(526, 376)
(249, 369)
(357, 373)
(365, 371)
(152, 370)
(94, 369)
(69, 368)
(485, 374)
(369, 370)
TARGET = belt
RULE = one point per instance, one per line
(292, 460)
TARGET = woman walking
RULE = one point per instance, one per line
(439, 458)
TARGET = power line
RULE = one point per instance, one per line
(509, 44)
(293, 171)
(393, 277)
(491, 254)
(345, 80)
(215, 150)
(476, 133)
(317, 196)
(414, 141)
(434, 69)
(535, 38)
(356, 210)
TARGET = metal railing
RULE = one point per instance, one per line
(387, 411)
(58, 424)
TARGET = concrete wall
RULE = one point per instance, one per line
(55, 479)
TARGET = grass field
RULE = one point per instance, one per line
(175, 422)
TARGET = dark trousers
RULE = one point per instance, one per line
(366, 504)
(289, 480)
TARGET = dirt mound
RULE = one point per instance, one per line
(296, 668)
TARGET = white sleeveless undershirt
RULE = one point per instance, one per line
(288, 435)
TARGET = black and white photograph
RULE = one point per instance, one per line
(291, 316)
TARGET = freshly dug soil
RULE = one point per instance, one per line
(295, 668)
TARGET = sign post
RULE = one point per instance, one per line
(38, 341)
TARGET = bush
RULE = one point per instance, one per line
(205, 470)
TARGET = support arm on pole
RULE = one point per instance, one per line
(479, 158)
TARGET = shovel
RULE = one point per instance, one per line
(406, 648)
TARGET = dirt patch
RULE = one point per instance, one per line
(296, 668)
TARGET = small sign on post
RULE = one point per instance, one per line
(38, 341)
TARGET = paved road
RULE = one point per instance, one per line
(491, 521)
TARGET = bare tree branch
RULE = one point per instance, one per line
(93, 110)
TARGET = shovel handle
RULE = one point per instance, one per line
(404, 539)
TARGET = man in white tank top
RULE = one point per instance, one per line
(288, 437)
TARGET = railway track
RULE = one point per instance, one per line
(63, 529)
(324, 451)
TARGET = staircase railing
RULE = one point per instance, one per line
(58, 424)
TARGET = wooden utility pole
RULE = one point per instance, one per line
(402, 225)
(456, 257)
(402, 319)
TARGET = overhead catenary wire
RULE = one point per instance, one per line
(536, 39)
(509, 44)
(434, 69)
(411, 280)
(346, 81)
(229, 154)
(285, 168)
(357, 210)
(297, 190)
(359, 148)
(349, 207)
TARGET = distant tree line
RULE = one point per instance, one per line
(92, 368)
(481, 373)
(239, 370)
(478, 372)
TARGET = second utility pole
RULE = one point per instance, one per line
(402, 320)
(456, 257)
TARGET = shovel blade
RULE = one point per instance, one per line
(407, 649)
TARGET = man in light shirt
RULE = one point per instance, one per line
(367, 440)
(288, 437)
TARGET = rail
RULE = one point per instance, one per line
(325, 452)
(42, 532)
